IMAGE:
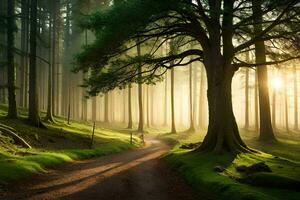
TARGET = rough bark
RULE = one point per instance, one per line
(11, 69)
(33, 114)
(266, 130)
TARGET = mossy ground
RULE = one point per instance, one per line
(198, 168)
(57, 144)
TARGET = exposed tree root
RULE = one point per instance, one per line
(9, 131)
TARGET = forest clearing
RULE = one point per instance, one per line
(149, 99)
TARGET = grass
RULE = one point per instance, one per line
(58, 144)
(198, 169)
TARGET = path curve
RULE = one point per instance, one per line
(131, 175)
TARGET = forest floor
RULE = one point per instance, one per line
(201, 170)
(134, 174)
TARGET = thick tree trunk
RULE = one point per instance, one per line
(173, 127)
(33, 114)
(129, 108)
(223, 134)
(11, 69)
(24, 48)
(266, 130)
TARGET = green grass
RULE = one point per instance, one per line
(57, 144)
(198, 170)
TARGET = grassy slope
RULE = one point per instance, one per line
(55, 145)
(198, 169)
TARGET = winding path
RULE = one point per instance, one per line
(132, 175)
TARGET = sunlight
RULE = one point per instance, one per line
(276, 83)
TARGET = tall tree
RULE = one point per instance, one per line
(192, 124)
(266, 130)
(24, 49)
(173, 126)
(11, 69)
(129, 108)
(211, 24)
(247, 93)
(140, 95)
(296, 127)
(33, 114)
(286, 103)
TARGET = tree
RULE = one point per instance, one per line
(296, 127)
(11, 69)
(192, 125)
(173, 126)
(210, 23)
(140, 94)
(129, 108)
(266, 130)
(33, 114)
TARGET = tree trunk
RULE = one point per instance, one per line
(94, 109)
(106, 120)
(201, 96)
(173, 127)
(140, 97)
(247, 97)
(274, 109)
(286, 103)
(256, 102)
(266, 130)
(11, 70)
(33, 114)
(192, 125)
(223, 134)
(166, 101)
(129, 108)
(24, 48)
(296, 127)
(52, 31)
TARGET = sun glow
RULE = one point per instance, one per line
(277, 83)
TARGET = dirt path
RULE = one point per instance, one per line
(131, 175)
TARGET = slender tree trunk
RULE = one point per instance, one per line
(247, 94)
(34, 117)
(94, 109)
(192, 125)
(173, 127)
(148, 114)
(201, 95)
(266, 130)
(274, 109)
(166, 101)
(286, 103)
(49, 115)
(106, 120)
(296, 127)
(140, 97)
(129, 108)
(256, 102)
(11, 69)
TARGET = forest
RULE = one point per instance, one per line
(150, 99)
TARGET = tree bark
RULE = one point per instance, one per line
(247, 99)
(24, 47)
(296, 127)
(33, 114)
(266, 130)
(129, 108)
(192, 125)
(11, 69)
(223, 134)
(106, 120)
(286, 103)
(140, 97)
(173, 126)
